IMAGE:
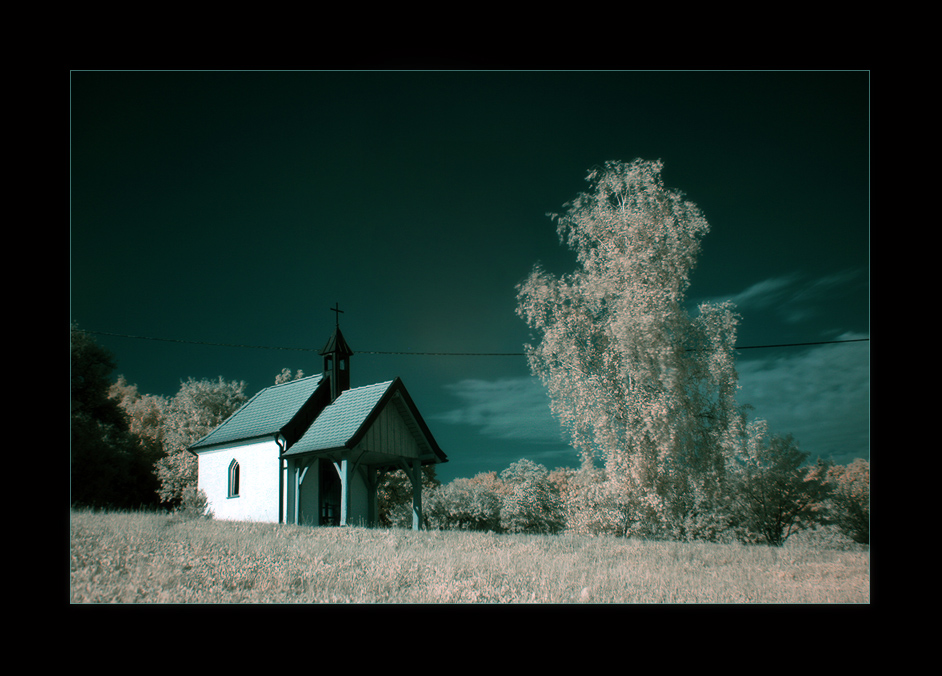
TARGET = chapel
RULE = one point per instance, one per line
(312, 451)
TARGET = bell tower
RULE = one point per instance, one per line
(337, 359)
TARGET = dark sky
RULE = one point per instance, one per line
(239, 207)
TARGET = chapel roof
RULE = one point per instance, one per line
(336, 425)
(266, 413)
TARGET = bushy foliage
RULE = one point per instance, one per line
(109, 465)
(769, 495)
(464, 504)
(129, 449)
(196, 410)
(164, 427)
(144, 414)
(774, 493)
(705, 518)
(533, 503)
(394, 496)
(850, 499)
(597, 506)
(193, 504)
(524, 498)
(820, 537)
(286, 376)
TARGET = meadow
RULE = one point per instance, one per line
(142, 557)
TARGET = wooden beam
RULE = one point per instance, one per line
(416, 494)
(297, 494)
(299, 475)
(372, 478)
(343, 469)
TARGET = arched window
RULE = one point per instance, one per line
(234, 479)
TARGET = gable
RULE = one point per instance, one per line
(380, 420)
(391, 434)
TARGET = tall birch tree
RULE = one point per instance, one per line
(642, 387)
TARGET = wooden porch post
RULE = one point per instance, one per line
(416, 494)
(344, 470)
(297, 492)
(299, 474)
(371, 477)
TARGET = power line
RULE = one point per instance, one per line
(819, 342)
(425, 354)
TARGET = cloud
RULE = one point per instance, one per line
(795, 297)
(765, 293)
(507, 408)
(821, 396)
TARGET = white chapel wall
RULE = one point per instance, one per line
(258, 481)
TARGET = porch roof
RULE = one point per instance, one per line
(344, 422)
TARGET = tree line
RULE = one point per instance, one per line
(129, 452)
(766, 504)
(128, 449)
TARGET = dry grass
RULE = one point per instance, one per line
(151, 558)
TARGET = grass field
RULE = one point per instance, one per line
(155, 558)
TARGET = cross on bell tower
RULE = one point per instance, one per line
(337, 358)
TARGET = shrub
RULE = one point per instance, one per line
(775, 493)
(463, 504)
(596, 506)
(850, 499)
(599, 509)
(821, 537)
(194, 504)
(531, 502)
(394, 496)
(532, 507)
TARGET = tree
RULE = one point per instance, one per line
(109, 465)
(286, 376)
(775, 492)
(144, 416)
(196, 409)
(850, 499)
(639, 384)
(532, 502)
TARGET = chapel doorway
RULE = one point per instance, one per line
(329, 494)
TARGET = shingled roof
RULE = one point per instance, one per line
(340, 421)
(265, 414)
(311, 424)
